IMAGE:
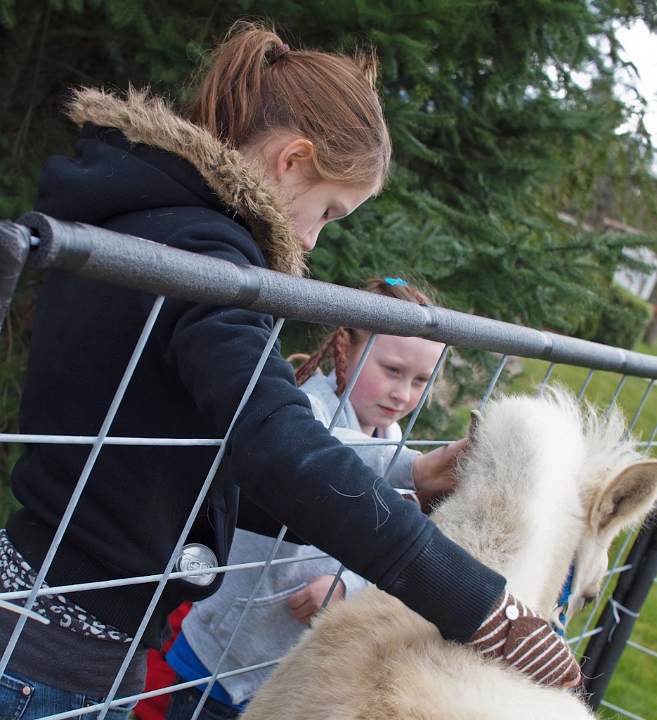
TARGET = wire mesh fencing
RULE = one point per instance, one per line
(96, 254)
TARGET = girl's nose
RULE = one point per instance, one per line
(401, 392)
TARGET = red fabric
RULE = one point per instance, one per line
(159, 673)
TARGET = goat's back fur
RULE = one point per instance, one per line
(373, 659)
(518, 508)
(525, 453)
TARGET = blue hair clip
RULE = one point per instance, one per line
(395, 281)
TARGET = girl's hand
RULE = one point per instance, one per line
(521, 638)
(433, 473)
(306, 603)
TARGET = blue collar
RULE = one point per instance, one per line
(562, 602)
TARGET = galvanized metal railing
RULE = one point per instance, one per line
(38, 241)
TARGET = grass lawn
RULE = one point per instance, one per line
(634, 684)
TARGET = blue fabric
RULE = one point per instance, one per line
(184, 702)
(24, 699)
(562, 602)
(184, 661)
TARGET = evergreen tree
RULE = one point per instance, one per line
(494, 134)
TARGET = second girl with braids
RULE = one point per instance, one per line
(276, 143)
(389, 386)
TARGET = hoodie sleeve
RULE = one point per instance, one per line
(377, 457)
(352, 583)
(288, 464)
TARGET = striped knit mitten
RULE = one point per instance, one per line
(524, 640)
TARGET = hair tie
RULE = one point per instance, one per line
(277, 54)
(395, 281)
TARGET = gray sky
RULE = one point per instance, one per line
(641, 49)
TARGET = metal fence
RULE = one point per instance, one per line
(41, 242)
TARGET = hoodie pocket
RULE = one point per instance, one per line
(267, 632)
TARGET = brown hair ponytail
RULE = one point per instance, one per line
(336, 346)
(256, 85)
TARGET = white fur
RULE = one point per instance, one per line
(541, 483)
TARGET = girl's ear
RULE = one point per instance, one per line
(294, 157)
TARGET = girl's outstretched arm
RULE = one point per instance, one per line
(434, 471)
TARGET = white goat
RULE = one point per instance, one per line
(542, 484)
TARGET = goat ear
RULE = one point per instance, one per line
(629, 495)
(476, 419)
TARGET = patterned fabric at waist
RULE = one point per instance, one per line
(16, 574)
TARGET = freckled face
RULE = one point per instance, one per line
(392, 379)
(313, 201)
(316, 203)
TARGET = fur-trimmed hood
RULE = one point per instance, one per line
(151, 121)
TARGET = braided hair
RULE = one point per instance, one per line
(336, 347)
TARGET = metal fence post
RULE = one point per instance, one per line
(619, 615)
(14, 248)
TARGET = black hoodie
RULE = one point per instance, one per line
(188, 383)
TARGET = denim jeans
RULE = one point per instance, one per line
(183, 703)
(25, 699)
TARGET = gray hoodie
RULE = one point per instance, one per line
(269, 630)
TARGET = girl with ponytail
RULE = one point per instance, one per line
(276, 143)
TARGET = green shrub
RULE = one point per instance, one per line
(14, 343)
(622, 321)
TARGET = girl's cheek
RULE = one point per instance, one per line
(368, 388)
(380, 386)
(413, 400)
